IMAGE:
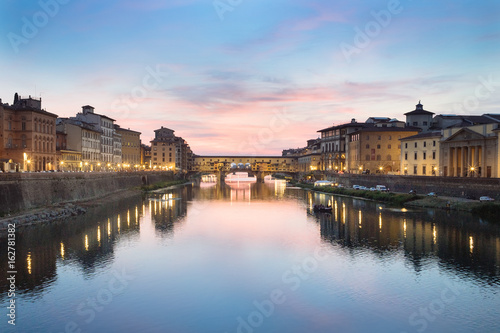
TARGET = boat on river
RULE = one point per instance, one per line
(322, 208)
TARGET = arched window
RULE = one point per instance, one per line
(367, 146)
(389, 158)
(379, 158)
(367, 157)
(23, 140)
(9, 141)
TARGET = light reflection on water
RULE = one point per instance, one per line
(200, 259)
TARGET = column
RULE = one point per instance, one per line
(483, 161)
(458, 169)
(476, 159)
(451, 168)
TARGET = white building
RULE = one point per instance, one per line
(103, 124)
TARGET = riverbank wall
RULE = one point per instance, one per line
(472, 188)
(23, 191)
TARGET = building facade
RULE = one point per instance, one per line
(82, 137)
(130, 146)
(334, 146)
(254, 163)
(471, 151)
(377, 149)
(105, 126)
(420, 154)
(163, 149)
(28, 135)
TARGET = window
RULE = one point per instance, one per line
(379, 137)
(389, 146)
(415, 123)
(416, 156)
(425, 143)
(416, 145)
(406, 156)
(425, 123)
(389, 158)
(367, 137)
(379, 158)
(378, 146)
(406, 145)
(367, 157)
(390, 137)
(434, 143)
(23, 139)
(424, 169)
(415, 170)
(367, 146)
(433, 155)
(9, 125)
(425, 155)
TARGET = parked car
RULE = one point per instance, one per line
(412, 192)
(363, 188)
(356, 187)
(432, 194)
(486, 198)
(373, 189)
(381, 188)
(340, 185)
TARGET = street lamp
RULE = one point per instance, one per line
(62, 164)
(29, 162)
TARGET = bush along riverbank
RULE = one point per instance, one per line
(157, 186)
(387, 197)
(487, 211)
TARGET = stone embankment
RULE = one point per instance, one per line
(24, 191)
(37, 198)
(41, 216)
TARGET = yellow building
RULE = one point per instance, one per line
(376, 149)
(471, 151)
(130, 146)
(253, 163)
(420, 154)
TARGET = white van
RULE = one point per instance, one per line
(381, 188)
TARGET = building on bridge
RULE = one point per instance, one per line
(269, 164)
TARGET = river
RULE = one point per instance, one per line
(254, 259)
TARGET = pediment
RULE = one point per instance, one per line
(465, 135)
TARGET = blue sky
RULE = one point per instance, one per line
(241, 76)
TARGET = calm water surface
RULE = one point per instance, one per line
(255, 259)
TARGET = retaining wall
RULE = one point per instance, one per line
(446, 186)
(22, 191)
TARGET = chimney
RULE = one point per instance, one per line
(353, 121)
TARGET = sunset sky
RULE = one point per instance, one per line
(251, 76)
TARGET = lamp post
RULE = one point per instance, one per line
(62, 166)
(29, 162)
(472, 169)
(435, 171)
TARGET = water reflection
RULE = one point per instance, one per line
(457, 240)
